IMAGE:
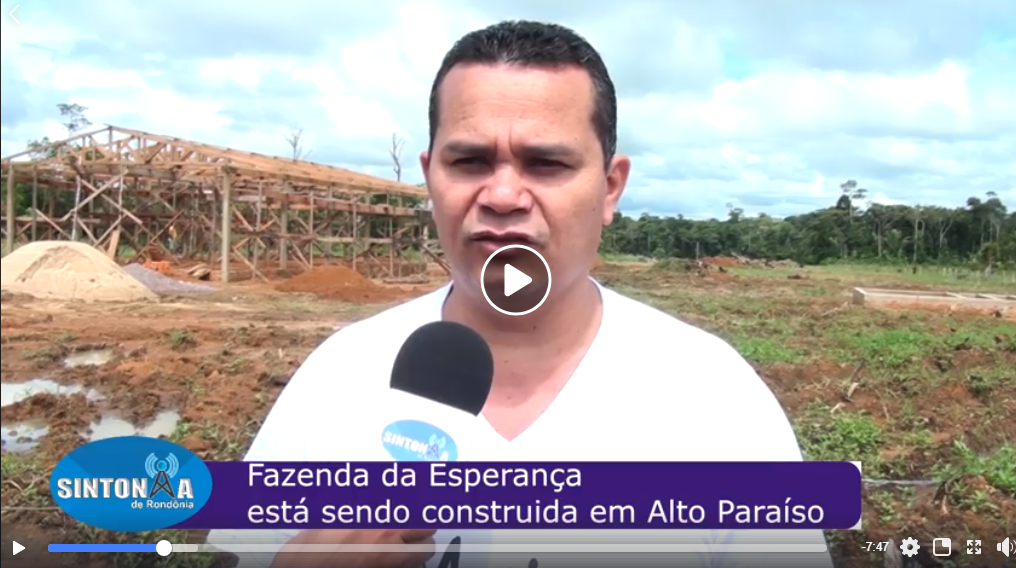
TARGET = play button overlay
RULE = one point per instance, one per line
(17, 548)
(515, 280)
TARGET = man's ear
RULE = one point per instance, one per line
(617, 180)
(425, 166)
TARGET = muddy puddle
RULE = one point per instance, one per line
(24, 436)
(88, 358)
(112, 426)
(13, 393)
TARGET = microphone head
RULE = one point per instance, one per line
(447, 363)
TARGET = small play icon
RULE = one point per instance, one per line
(515, 280)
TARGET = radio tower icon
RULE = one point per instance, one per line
(162, 471)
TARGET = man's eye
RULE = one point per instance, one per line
(468, 162)
(544, 164)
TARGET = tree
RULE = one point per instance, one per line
(941, 220)
(878, 217)
(994, 212)
(295, 141)
(917, 215)
(396, 153)
(74, 118)
(854, 194)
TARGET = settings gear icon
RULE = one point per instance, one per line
(909, 547)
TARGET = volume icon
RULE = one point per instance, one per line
(1007, 547)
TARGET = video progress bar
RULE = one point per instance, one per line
(647, 548)
(162, 548)
(105, 548)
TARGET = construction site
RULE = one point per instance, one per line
(162, 287)
(165, 200)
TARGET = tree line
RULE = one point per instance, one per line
(981, 232)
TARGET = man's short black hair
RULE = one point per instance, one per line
(535, 44)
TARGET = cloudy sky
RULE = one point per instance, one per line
(765, 104)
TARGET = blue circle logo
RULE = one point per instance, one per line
(413, 440)
(131, 484)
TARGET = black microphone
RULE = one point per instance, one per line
(440, 382)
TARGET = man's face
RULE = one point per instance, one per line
(516, 160)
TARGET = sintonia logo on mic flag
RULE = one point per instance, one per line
(131, 484)
(413, 440)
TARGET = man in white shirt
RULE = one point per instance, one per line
(523, 127)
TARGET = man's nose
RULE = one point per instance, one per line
(505, 193)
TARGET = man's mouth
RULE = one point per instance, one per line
(499, 240)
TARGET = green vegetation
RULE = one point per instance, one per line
(922, 399)
(982, 233)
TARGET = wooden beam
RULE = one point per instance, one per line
(77, 202)
(57, 144)
(283, 229)
(9, 245)
(227, 210)
(35, 205)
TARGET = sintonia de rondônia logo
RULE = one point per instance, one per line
(131, 484)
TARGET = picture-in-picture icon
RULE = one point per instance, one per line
(941, 547)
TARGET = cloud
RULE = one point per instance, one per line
(766, 106)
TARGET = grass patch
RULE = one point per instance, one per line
(23, 477)
(890, 348)
(841, 437)
(984, 380)
(224, 443)
(978, 482)
(907, 344)
(17, 466)
(765, 351)
(998, 468)
(181, 339)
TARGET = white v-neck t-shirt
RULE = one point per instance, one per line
(647, 376)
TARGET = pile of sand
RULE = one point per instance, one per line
(336, 282)
(67, 270)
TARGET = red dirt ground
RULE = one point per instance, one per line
(220, 360)
(239, 272)
(723, 261)
(342, 284)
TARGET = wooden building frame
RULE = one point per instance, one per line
(162, 198)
